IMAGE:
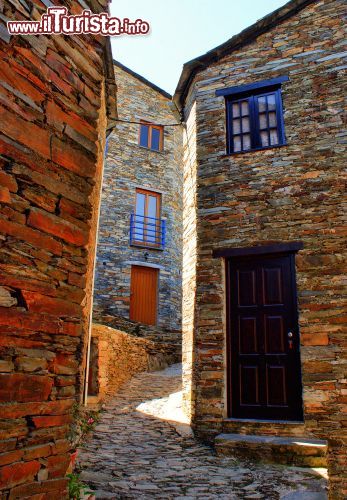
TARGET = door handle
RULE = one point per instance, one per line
(290, 336)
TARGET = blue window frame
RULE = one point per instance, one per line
(254, 116)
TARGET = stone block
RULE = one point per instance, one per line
(35, 488)
(38, 303)
(10, 457)
(51, 421)
(57, 465)
(6, 299)
(271, 449)
(32, 236)
(8, 181)
(57, 226)
(6, 365)
(16, 410)
(18, 473)
(5, 196)
(39, 451)
(26, 133)
(31, 364)
(64, 364)
(24, 387)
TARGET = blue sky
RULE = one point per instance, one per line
(180, 31)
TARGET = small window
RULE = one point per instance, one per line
(255, 122)
(151, 136)
(254, 115)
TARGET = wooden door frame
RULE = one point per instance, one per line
(276, 250)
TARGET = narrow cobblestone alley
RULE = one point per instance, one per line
(136, 453)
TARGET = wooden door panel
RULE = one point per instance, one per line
(144, 295)
(248, 343)
(272, 283)
(264, 371)
(274, 333)
(249, 385)
(246, 288)
(276, 385)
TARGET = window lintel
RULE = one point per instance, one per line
(251, 87)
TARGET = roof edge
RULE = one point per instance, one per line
(245, 37)
(142, 79)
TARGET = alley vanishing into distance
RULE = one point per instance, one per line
(143, 448)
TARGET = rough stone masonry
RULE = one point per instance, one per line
(129, 166)
(53, 118)
(291, 193)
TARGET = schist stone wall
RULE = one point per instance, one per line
(127, 167)
(291, 193)
(53, 121)
(116, 357)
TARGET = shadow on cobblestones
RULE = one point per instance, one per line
(143, 448)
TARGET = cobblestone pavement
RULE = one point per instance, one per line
(136, 453)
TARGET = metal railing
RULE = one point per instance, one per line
(147, 231)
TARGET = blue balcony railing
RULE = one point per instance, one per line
(147, 231)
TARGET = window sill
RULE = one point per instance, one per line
(162, 152)
(226, 155)
(147, 247)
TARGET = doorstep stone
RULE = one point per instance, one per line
(304, 452)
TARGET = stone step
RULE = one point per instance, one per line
(305, 452)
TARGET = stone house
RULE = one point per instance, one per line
(264, 348)
(139, 258)
(56, 94)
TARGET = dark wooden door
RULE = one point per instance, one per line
(144, 295)
(264, 359)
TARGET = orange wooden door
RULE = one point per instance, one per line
(144, 295)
